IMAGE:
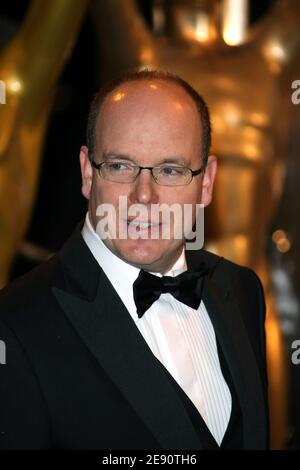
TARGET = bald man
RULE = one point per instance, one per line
(127, 339)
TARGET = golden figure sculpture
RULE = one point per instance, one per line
(29, 67)
(243, 86)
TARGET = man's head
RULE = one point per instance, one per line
(147, 119)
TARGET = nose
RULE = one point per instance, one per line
(144, 189)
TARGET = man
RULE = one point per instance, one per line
(110, 343)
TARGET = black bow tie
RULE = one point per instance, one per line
(186, 287)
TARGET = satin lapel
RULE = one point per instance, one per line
(230, 330)
(112, 336)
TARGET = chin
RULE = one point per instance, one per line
(147, 254)
(140, 253)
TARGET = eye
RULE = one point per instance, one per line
(117, 167)
(171, 171)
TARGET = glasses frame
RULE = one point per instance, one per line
(193, 173)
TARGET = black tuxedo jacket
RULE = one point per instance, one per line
(79, 375)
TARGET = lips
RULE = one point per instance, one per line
(142, 224)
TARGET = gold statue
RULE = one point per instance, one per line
(29, 67)
(243, 86)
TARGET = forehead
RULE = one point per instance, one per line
(137, 101)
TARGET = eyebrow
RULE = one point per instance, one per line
(116, 156)
(120, 156)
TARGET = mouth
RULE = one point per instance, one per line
(142, 224)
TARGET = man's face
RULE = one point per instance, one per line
(147, 123)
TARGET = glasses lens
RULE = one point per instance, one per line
(120, 172)
(172, 175)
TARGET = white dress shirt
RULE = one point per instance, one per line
(181, 338)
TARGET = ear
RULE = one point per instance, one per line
(86, 172)
(208, 180)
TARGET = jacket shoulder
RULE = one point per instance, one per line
(29, 289)
(219, 265)
(243, 281)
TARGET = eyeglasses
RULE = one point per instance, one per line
(164, 174)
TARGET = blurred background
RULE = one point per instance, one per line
(243, 56)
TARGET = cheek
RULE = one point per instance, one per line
(104, 193)
(108, 196)
(196, 193)
(187, 195)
